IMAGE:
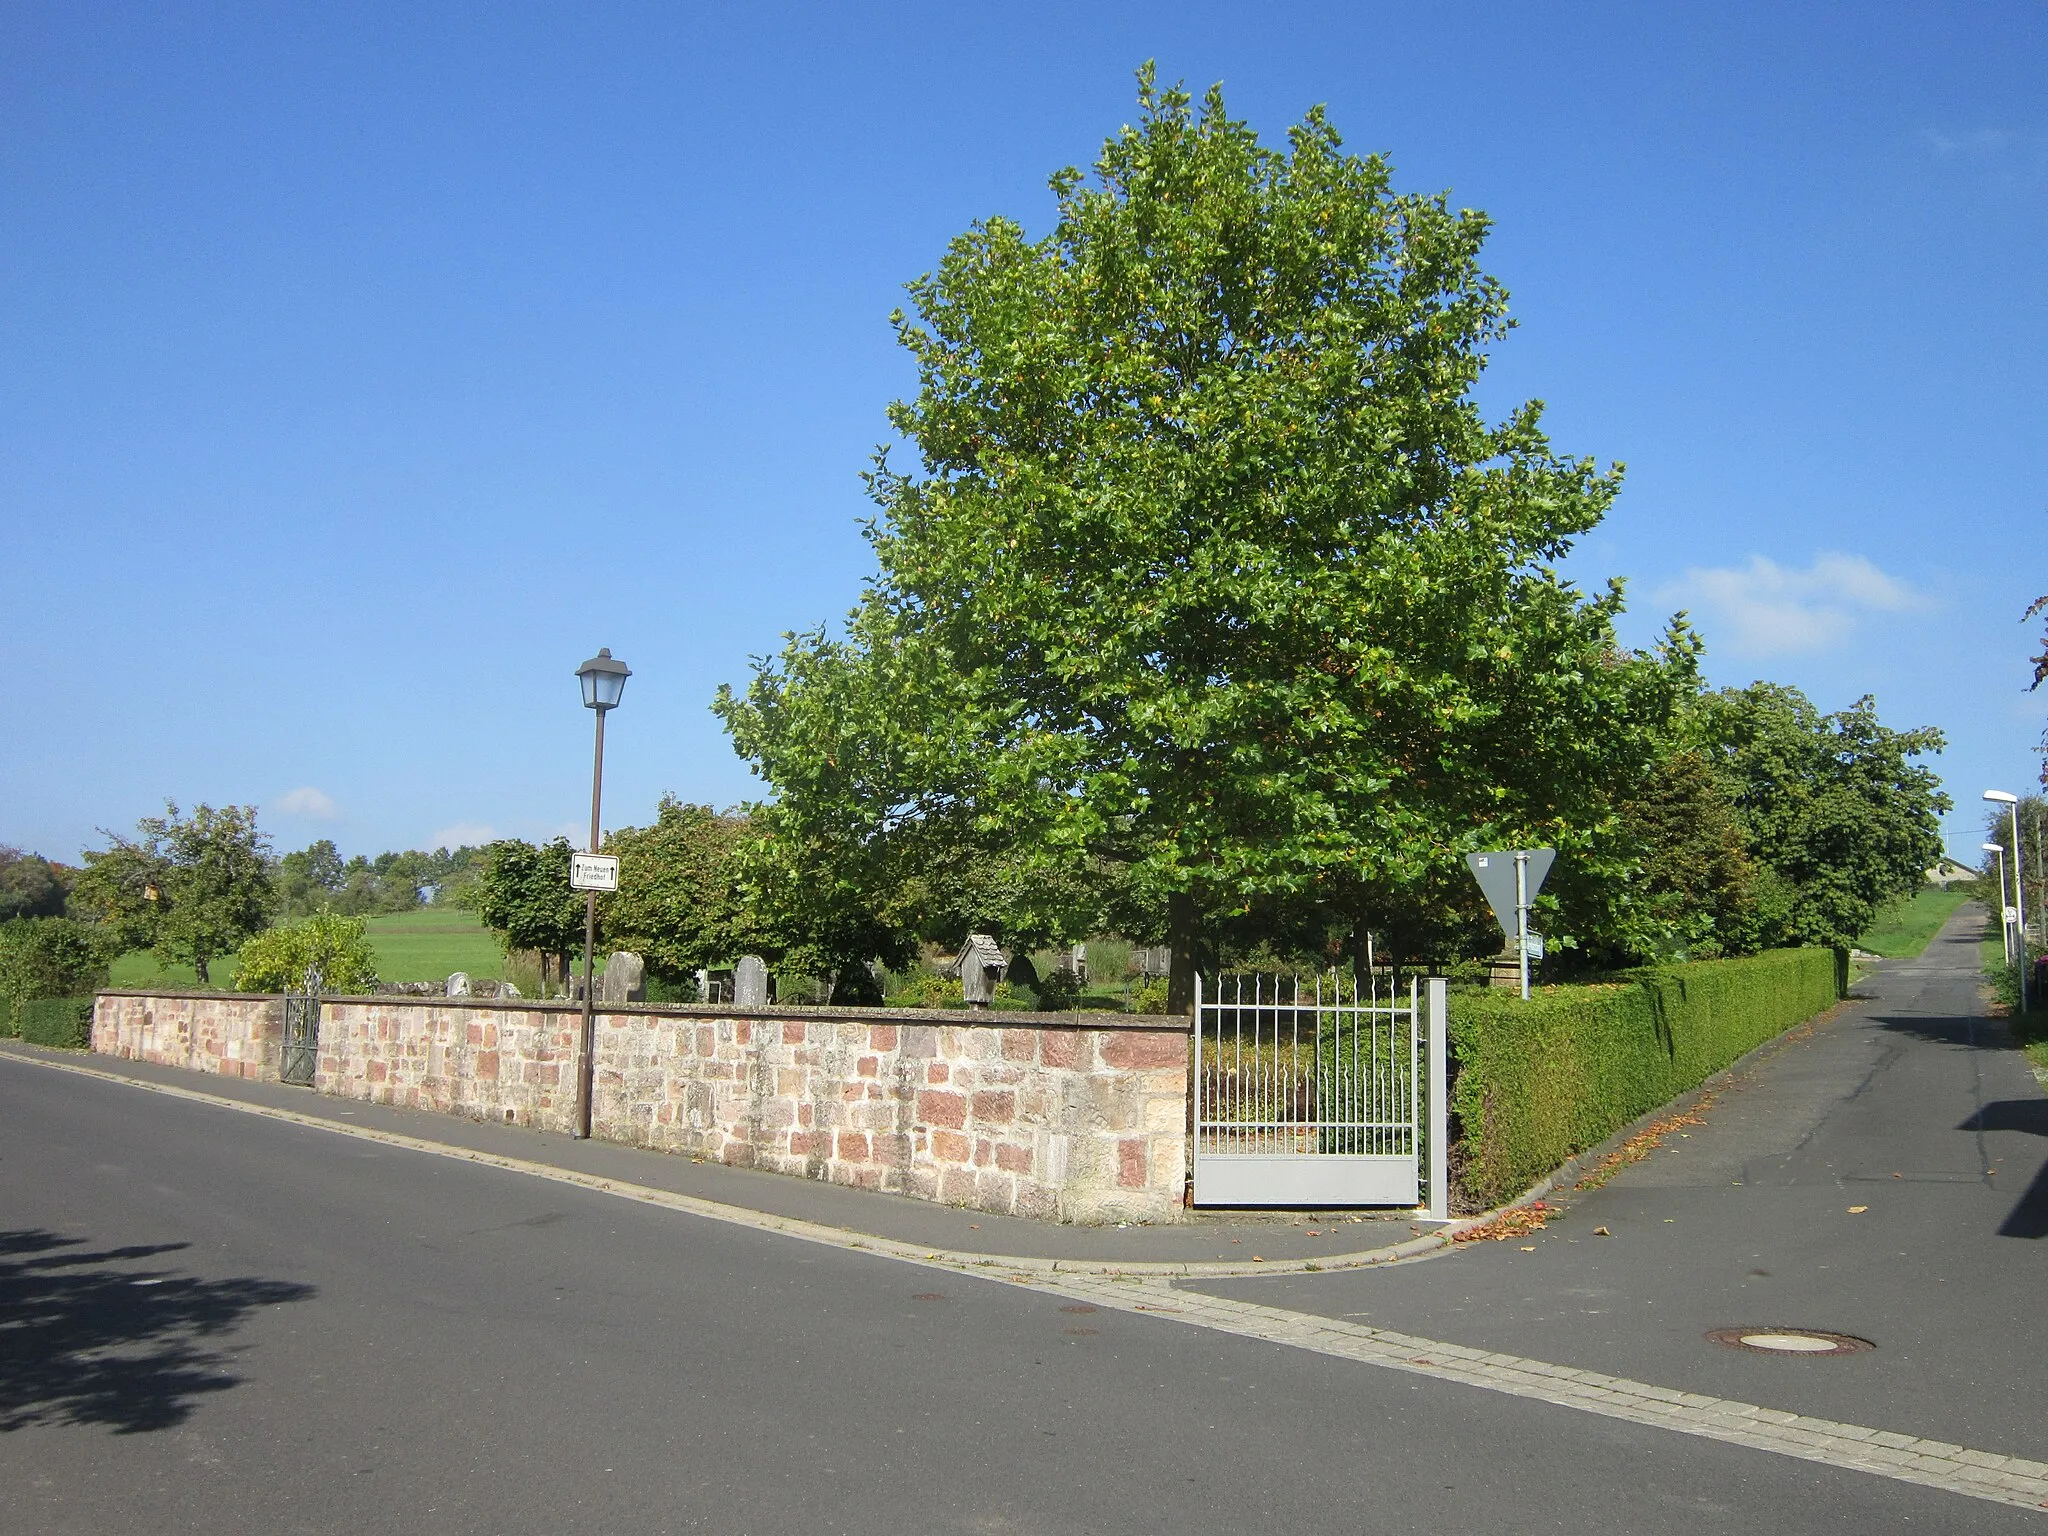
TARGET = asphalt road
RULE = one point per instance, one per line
(214, 1322)
(1882, 1174)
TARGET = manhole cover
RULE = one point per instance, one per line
(1790, 1341)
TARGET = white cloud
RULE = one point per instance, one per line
(463, 834)
(1944, 145)
(308, 803)
(1766, 609)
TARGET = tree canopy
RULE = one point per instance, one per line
(1212, 591)
(1836, 815)
(191, 888)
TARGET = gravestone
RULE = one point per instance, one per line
(981, 966)
(624, 979)
(506, 989)
(1077, 962)
(457, 985)
(750, 982)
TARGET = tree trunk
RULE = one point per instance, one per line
(199, 970)
(1180, 971)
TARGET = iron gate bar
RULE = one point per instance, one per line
(1340, 1126)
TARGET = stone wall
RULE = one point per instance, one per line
(1018, 1113)
(233, 1034)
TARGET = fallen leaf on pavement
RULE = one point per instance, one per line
(1858, 1210)
(1602, 1232)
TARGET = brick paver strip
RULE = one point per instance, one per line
(1930, 1463)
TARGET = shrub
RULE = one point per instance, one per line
(1058, 991)
(1148, 996)
(928, 989)
(65, 1022)
(1541, 1081)
(277, 959)
(50, 957)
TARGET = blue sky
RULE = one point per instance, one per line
(369, 366)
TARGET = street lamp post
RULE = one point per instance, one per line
(603, 679)
(2004, 905)
(2019, 895)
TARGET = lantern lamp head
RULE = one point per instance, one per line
(604, 679)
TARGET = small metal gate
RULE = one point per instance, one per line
(300, 1055)
(1317, 1093)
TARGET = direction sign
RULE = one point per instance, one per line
(593, 872)
(1495, 872)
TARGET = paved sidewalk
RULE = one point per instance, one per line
(1883, 1174)
(1236, 1238)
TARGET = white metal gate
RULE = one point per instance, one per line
(1317, 1093)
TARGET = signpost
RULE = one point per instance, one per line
(593, 872)
(1510, 878)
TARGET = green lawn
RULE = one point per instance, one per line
(1903, 930)
(139, 969)
(432, 943)
(411, 946)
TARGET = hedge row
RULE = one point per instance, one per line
(1541, 1081)
(59, 1021)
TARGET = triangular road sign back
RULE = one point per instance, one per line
(1495, 872)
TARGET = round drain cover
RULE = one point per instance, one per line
(1790, 1341)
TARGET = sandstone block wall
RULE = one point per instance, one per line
(1008, 1113)
(233, 1034)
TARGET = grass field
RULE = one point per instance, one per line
(1903, 930)
(433, 942)
(411, 946)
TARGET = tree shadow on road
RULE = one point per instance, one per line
(87, 1337)
(2030, 1118)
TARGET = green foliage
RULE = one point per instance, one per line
(1541, 1081)
(1059, 990)
(1692, 890)
(30, 885)
(521, 892)
(1832, 809)
(679, 905)
(189, 888)
(50, 957)
(2032, 812)
(64, 1022)
(928, 989)
(1213, 598)
(336, 945)
(1148, 996)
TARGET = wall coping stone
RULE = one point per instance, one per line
(990, 1018)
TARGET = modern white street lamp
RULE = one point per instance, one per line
(2004, 902)
(2019, 895)
(604, 679)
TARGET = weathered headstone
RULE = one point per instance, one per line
(624, 979)
(457, 985)
(750, 982)
(506, 989)
(981, 966)
(1077, 962)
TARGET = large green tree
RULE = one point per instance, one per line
(522, 893)
(679, 904)
(1836, 815)
(1212, 589)
(191, 888)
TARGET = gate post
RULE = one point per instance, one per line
(1439, 1111)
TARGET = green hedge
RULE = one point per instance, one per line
(1541, 1081)
(60, 1021)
